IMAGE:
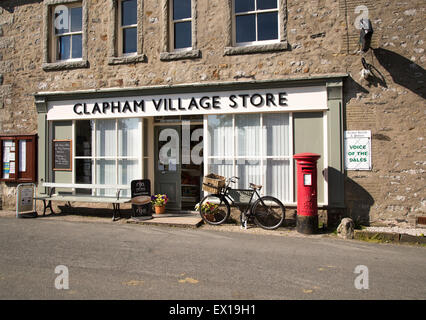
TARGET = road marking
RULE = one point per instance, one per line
(188, 280)
(133, 283)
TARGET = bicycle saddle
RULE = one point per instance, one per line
(255, 186)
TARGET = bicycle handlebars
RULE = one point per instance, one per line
(232, 179)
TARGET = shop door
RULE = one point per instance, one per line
(168, 164)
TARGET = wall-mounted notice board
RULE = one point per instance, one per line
(62, 155)
(18, 158)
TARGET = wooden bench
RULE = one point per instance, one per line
(72, 197)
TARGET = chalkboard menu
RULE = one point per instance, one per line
(62, 155)
(141, 188)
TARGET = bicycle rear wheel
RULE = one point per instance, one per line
(214, 209)
(268, 212)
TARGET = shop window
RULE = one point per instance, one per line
(108, 152)
(126, 32)
(180, 41)
(257, 26)
(254, 147)
(18, 158)
(64, 46)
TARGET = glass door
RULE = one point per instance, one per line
(167, 164)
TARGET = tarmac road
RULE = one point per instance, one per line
(123, 261)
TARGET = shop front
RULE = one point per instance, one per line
(175, 135)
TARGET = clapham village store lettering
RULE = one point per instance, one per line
(179, 104)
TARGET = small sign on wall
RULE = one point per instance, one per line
(62, 155)
(358, 150)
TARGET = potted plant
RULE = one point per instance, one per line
(208, 210)
(159, 202)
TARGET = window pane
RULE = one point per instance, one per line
(223, 168)
(249, 171)
(267, 26)
(266, 4)
(61, 22)
(181, 9)
(128, 170)
(183, 37)
(77, 46)
(64, 47)
(248, 134)
(129, 40)
(129, 12)
(277, 179)
(83, 132)
(105, 138)
(105, 174)
(276, 134)
(76, 19)
(129, 138)
(245, 28)
(83, 171)
(221, 135)
(244, 5)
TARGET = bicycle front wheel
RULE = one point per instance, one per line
(214, 209)
(268, 212)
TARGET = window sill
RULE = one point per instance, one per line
(65, 65)
(281, 46)
(179, 55)
(127, 59)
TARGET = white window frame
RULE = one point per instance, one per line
(262, 158)
(55, 37)
(255, 12)
(172, 28)
(121, 29)
(94, 158)
(168, 51)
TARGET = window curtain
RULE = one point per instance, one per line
(105, 152)
(254, 147)
(129, 151)
(276, 145)
(118, 149)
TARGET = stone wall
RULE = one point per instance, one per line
(321, 38)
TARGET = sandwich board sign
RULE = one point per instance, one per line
(358, 150)
(25, 203)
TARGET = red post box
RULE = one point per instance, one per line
(307, 200)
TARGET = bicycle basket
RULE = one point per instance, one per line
(213, 183)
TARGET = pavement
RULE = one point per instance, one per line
(193, 220)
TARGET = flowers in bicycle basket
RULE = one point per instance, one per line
(159, 200)
(207, 207)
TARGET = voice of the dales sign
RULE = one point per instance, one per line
(265, 100)
(358, 150)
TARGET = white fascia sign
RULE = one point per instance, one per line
(310, 98)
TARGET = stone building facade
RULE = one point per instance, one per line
(317, 40)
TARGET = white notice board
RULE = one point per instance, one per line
(358, 150)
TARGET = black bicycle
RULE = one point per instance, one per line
(267, 212)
